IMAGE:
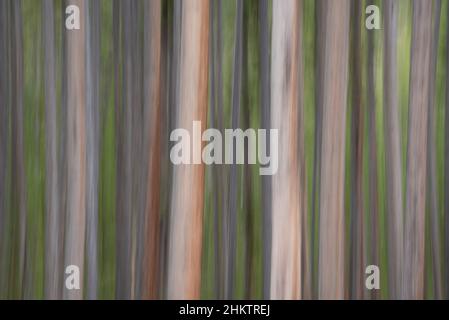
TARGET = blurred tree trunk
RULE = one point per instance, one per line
(306, 256)
(76, 150)
(184, 269)
(52, 245)
(152, 96)
(92, 142)
(335, 74)
(248, 31)
(18, 183)
(4, 154)
(416, 154)
(173, 32)
(264, 60)
(233, 187)
(125, 172)
(357, 245)
(432, 190)
(393, 149)
(320, 24)
(213, 123)
(286, 192)
(446, 170)
(138, 160)
(373, 199)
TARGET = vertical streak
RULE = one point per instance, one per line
(185, 242)
(306, 254)
(213, 122)
(76, 151)
(4, 115)
(18, 166)
(286, 192)
(92, 142)
(431, 156)
(335, 73)
(264, 57)
(393, 152)
(373, 203)
(152, 97)
(124, 189)
(233, 185)
(52, 244)
(223, 172)
(320, 23)
(416, 152)
(446, 170)
(357, 128)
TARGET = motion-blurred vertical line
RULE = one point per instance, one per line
(118, 107)
(152, 101)
(286, 193)
(414, 236)
(248, 7)
(357, 245)
(4, 115)
(92, 142)
(306, 254)
(233, 184)
(138, 160)
(432, 190)
(173, 107)
(393, 161)
(166, 165)
(335, 73)
(213, 124)
(186, 216)
(446, 169)
(124, 187)
(76, 150)
(18, 183)
(264, 60)
(320, 24)
(222, 174)
(373, 197)
(52, 216)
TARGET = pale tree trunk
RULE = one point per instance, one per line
(184, 269)
(357, 246)
(414, 236)
(335, 73)
(152, 97)
(286, 194)
(432, 191)
(52, 215)
(320, 23)
(76, 151)
(92, 143)
(393, 149)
